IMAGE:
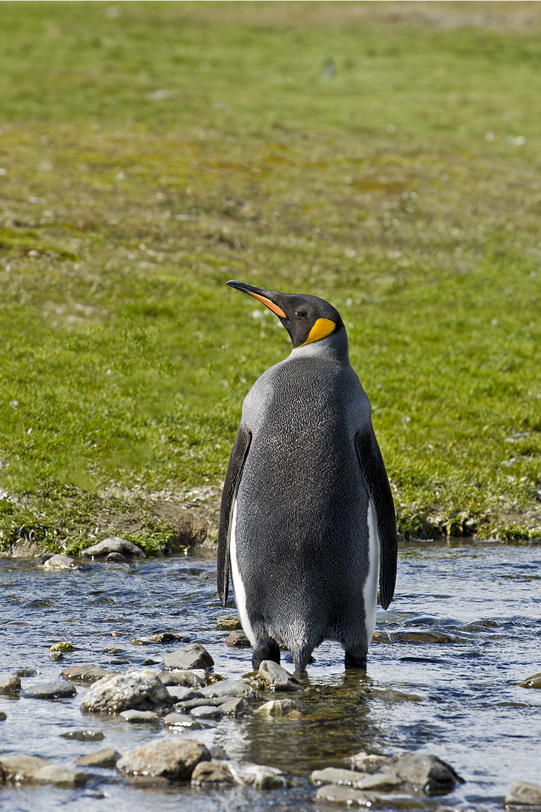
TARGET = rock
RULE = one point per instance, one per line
(139, 717)
(55, 689)
(139, 690)
(192, 656)
(84, 735)
(339, 793)
(228, 623)
(247, 773)
(62, 562)
(107, 757)
(230, 688)
(194, 678)
(86, 673)
(237, 639)
(113, 545)
(25, 548)
(182, 721)
(172, 758)
(10, 685)
(21, 769)
(161, 639)
(182, 693)
(267, 778)
(212, 772)
(116, 558)
(234, 707)
(334, 775)
(368, 762)
(427, 772)
(207, 712)
(524, 794)
(63, 646)
(277, 707)
(274, 676)
(531, 682)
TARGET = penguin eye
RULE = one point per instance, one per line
(301, 314)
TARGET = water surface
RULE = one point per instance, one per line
(464, 627)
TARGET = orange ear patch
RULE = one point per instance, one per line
(269, 304)
(321, 329)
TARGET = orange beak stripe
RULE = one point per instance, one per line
(269, 304)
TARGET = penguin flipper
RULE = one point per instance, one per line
(377, 482)
(231, 484)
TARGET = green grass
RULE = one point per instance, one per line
(149, 152)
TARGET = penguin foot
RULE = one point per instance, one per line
(270, 650)
(355, 661)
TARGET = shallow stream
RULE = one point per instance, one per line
(464, 628)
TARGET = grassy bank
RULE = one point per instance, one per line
(384, 156)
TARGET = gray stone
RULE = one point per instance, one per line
(63, 562)
(228, 623)
(138, 690)
(334, 775)
(84, 735)
(54, 689)
(230, 688)
(23, 769)
(10, 685)
(192, 656)
(116, 558)
(191, 679)
(277, 707)
(182, 721)
(107, 757)
(171, 758)
(140, 717)
(368, 762)
(246, 773)
(114, 545)
(234, 707)
(237, 639)
(212, 772)
(524, 794)
(339, 793)
(426, 772)
(207, 712)
(274, 676)
(86, 673)
(181, 693)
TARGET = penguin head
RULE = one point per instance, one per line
(306, 318)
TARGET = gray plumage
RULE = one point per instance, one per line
(307, 519)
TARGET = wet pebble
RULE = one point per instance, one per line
(234, 707)
(107, 757)
(139, 690)
(11, 685)
(230, 688)
(228, 623)
(237, 639)
(207, 712)
(160, 639)
(181, 693)
(192, 656)
(182, 721)
(54, 689)
(84, 735)
(173, 759)
(24, 769)
(139, 717)
(86, 674)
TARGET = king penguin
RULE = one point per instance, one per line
(307, 520)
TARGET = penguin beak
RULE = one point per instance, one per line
(260, 294)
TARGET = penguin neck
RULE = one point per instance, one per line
(333, 348)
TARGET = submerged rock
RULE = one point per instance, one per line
(23, 769)
(338, 793)
(277, 707)
(54, 689)
(84, 735)
(172, 758)
(114, 545)
(107, 757)
(139, 690)
(524, 796)
(189, 657)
